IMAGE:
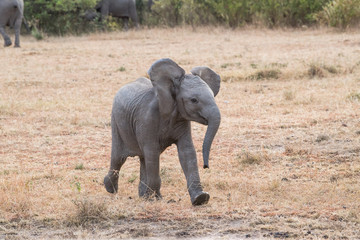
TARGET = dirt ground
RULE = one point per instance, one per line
(285, 163)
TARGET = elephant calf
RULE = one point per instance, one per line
(150, 115)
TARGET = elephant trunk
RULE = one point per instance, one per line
(214, 119)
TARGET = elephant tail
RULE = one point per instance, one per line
(26, 25)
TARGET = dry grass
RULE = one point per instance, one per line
(273, 173)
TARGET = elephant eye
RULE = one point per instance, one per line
(194, 100)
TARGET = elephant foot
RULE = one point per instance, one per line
(111, 182)
(16, 46)
(202, 198)
(143, 188)
(151, 194)
(7, 43)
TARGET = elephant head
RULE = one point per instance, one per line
(191, 96)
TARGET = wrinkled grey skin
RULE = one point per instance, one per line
(124, 9)
(150, 115)
(11, 14)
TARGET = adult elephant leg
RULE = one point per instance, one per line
(135, 20)
(118, 158)
(143, 183)
(7, 40)
(133, 14)
(112, 178)
(188, 161)
(126, 23)
(17, 27)
(105, 4)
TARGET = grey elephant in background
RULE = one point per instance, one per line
(150, 115)
(11, 14)
(124, 9)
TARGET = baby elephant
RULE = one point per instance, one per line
(150, 115)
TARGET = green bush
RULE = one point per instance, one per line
(59, 16)
(195, 12)
(234, 13)
(302, 11)
(38, 35)
(340, 13)
(65, 16)
(269, 12)
(201, 12)
(167, 12)
(292, 13)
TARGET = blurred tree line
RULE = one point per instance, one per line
(65, 16)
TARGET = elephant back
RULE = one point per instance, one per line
(122, 8)
(133, 90)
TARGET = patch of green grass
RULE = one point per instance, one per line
(122, 69)
(5, 172)
(254, 65)
(231, 78)
(247, 158)
(78, 186)
(322, 137)
(225, 65)
(315, 71)
(79, 166)
(354, 96)
(278, 65)
(331, 69)
(265, 74)
(132, 178)
(37, 34)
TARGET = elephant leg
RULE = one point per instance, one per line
(188, 161)
(133, 15)
(153, 181)
(105, 4)
(197, 195)
(126, 23)
(118, 158)
(143, 183)
(7, 40)
(17, 27)
(134, 19)
(112, 178)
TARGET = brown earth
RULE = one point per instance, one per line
(284, 164)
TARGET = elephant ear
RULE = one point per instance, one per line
(209, 76)
(165, 76)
